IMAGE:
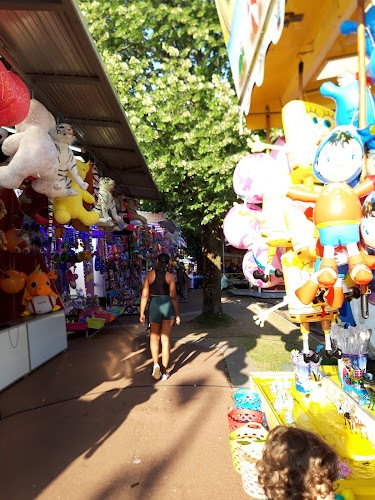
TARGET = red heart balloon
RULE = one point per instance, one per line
(14, 98)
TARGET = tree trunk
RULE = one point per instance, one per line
(212, 244)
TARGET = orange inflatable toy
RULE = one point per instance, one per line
(337, 216)
(39, 297)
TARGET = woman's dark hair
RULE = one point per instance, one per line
(163, 257)
(297, 465)
(162, 262)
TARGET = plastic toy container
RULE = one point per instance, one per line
(115, 311)
(76, 325)
(121, 309)
(95, 323)
(244, 398)
(239, 417)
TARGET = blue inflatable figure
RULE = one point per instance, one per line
(350, 28)
(347, 102)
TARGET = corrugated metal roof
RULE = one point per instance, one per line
(49, 46)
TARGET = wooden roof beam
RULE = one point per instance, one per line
(39, 79)
(31, 5)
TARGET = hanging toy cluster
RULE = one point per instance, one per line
(315, 228)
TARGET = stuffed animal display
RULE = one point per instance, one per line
(33, 204)
(34, 152)
(72, 207)
(106, 206)
(132, 207)
(63, 136)
(38, 296)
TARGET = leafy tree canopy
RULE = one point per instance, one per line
(170, 67)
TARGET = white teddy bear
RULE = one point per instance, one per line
(34, 153)
(106, 206)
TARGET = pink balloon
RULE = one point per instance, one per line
(259, 252)
(241, 225)
(281, 157)
(249, 176)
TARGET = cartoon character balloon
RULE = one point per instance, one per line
(242, 224)
(255, 260)
(249, 177)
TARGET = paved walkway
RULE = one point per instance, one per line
(92, 423)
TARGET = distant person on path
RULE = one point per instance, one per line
(297, 464)
(182, 280)
(160, 286)
(190, 274)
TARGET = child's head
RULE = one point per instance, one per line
(297, 465)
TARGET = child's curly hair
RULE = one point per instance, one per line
(297, 465)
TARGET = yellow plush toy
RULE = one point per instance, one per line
(69, 208)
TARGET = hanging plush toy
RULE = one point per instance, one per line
(34, 152)
(14, 100)
(132, 213)
(71, 207)
(106, 207)
(39, 297)
(3, 135)
(63, 136)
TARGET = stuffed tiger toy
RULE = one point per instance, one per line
(63, 137)
(106, 206)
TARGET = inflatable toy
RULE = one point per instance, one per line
(250, 175)
(12, 281)
(242, 224)
(305, 125)
(15, 98)
(296, 273)
(255, 261)
(350, 28)
(347, 103)
(338, 211)
(65, 209)
(39, 297)
(340, 156)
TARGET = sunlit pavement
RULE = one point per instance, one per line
(93, 424)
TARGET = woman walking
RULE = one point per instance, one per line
(160, 286)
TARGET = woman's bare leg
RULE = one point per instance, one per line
(165, 333)
(154, 341)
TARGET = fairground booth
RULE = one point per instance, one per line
(73, 244)
(305, 217)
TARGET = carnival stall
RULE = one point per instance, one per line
(305, 215)
(65, 208)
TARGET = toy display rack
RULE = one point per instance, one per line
(317, 412)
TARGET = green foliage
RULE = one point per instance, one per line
(169, 65)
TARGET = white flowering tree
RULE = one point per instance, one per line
(169, 64)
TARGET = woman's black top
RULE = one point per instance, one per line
(159, 286)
